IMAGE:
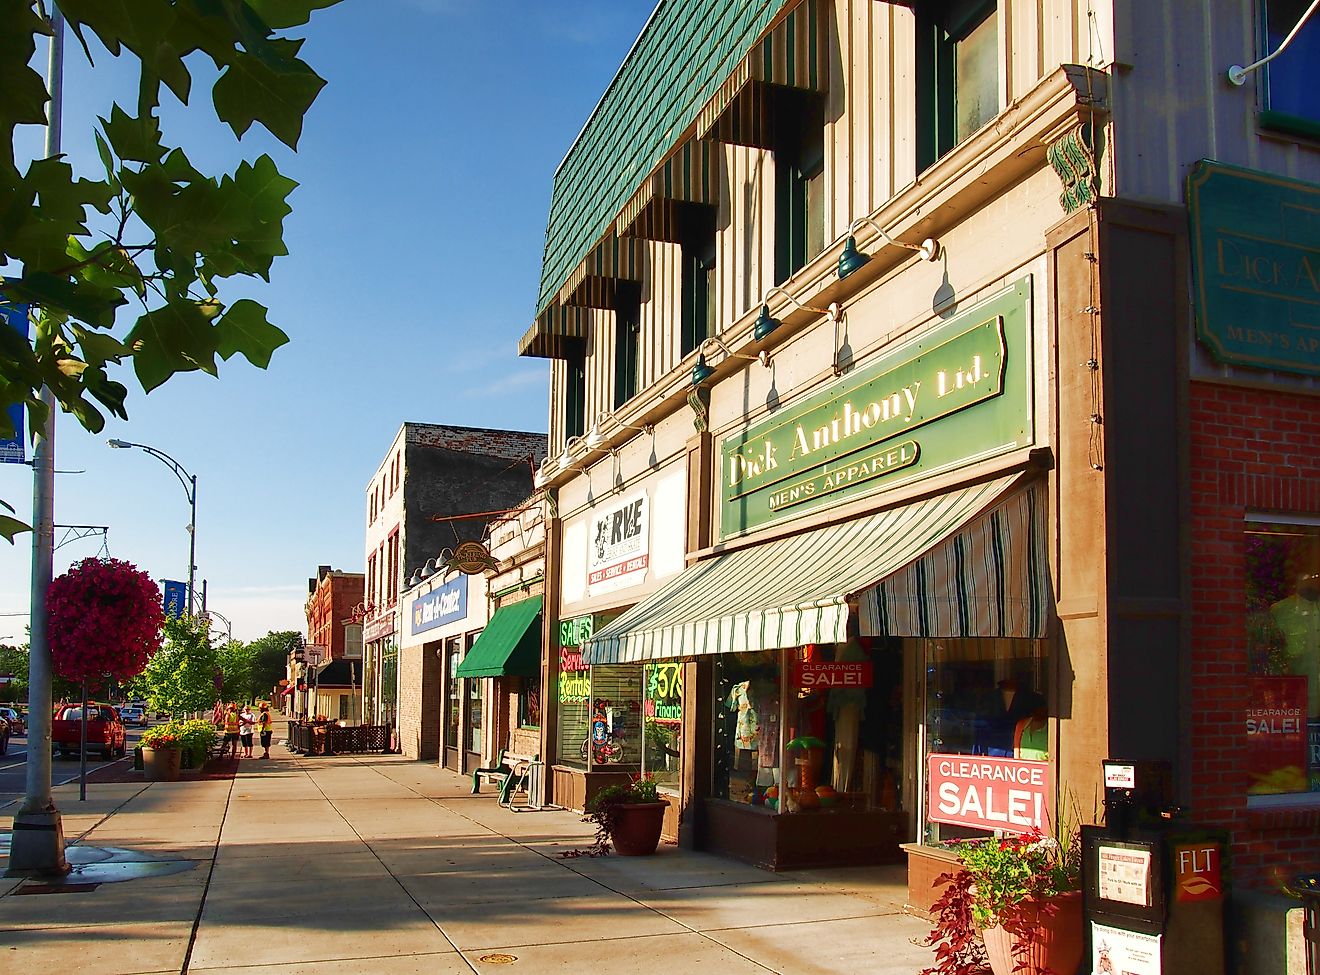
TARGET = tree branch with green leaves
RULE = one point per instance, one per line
(128, 265)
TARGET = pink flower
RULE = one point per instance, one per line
(105, 617)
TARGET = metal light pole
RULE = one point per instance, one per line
(38, 840)
(189, 482)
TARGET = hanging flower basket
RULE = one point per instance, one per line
(105, 618)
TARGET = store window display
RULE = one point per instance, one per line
(983, 697)
(1283, 643)
(814, 728)
(662, 717)
(600, 715)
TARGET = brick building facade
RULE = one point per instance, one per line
(332, 596)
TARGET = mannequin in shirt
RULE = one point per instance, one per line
(1298, 619)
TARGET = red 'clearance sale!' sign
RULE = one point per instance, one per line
(989, 793)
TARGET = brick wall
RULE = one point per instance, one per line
(419, 702)
(1250, 450)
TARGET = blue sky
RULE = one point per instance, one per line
(415, 246)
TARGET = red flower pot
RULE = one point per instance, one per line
(637, 826)
(1056, 942)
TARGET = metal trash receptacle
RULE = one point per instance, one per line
(1307, 887)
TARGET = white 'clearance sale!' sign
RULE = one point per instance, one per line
(1011, 794)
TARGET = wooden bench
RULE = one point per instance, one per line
(509, 772)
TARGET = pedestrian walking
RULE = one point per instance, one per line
(231, 725)
(247, 722)
(264, 723)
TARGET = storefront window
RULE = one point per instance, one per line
(1283, 643)
(747, 738)
(574, 705)
(615, 740)
(662, 722)
(389, 683)
(452, 699)
(529, 703)
(983, 697)
(475, 688)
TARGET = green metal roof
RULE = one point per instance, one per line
(510, 645)
(684, 52)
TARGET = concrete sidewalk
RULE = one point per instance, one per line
(375, 864)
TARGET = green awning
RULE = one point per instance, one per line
(510, 645)
(790, 591)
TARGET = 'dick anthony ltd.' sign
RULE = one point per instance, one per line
(960, 392)
(1256, 262)
(618, 547)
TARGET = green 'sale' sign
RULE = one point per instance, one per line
(958, 393)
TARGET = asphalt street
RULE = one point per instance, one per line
(13, 766)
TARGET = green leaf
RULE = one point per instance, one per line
(276, 93)
(43, 209)
(244, 329)
(10, 527)
(136, 139)
(176, 338)
(148, 28)
(88, 302)
(23, 94)
(281, 14)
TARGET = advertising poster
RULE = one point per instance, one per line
(1124, 875)
(618, 548)
(1277, 748)
(989, 793)
(1118, 952)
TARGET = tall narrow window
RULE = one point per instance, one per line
(698, 286)
(627, 339)
(575, 393)
(799, 181)
(957, 74)
(1292, 95)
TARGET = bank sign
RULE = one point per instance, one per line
(958, 393)
(1256, 263)
(440, 606)
(618, 549)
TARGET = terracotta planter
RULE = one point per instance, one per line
(637, 827)
(1056, 943)
(162, 764)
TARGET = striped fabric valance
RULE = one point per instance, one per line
(690, 175)
(591, 285)
(795, 54)
(787, 592)
(989, 580)
(556, 331)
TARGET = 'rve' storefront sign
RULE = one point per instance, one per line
(989, 793)
(618, 551)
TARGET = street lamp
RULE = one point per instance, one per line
(189, 482)
(229, 627)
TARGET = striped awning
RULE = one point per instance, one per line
(795, 54)
(555, 333)
(691, 175)
(988, 580)
(591, 285)
(790, 591)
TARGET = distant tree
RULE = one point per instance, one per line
(150, 229)
(14, 662)
(180, 677)
(236, 665)
(269, 655)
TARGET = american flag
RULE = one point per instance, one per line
(218, 713)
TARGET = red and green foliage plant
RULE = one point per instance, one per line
(105, 618)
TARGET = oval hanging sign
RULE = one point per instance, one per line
(471, 558)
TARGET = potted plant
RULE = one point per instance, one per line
(629, 815)
(1015, 902)
(162, 753)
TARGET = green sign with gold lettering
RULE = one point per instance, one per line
(1256, 265)
(957, 393)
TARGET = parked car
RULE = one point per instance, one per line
(17, 726)
(105, 730)
(132, 714)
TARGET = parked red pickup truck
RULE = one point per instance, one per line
(105, 732)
